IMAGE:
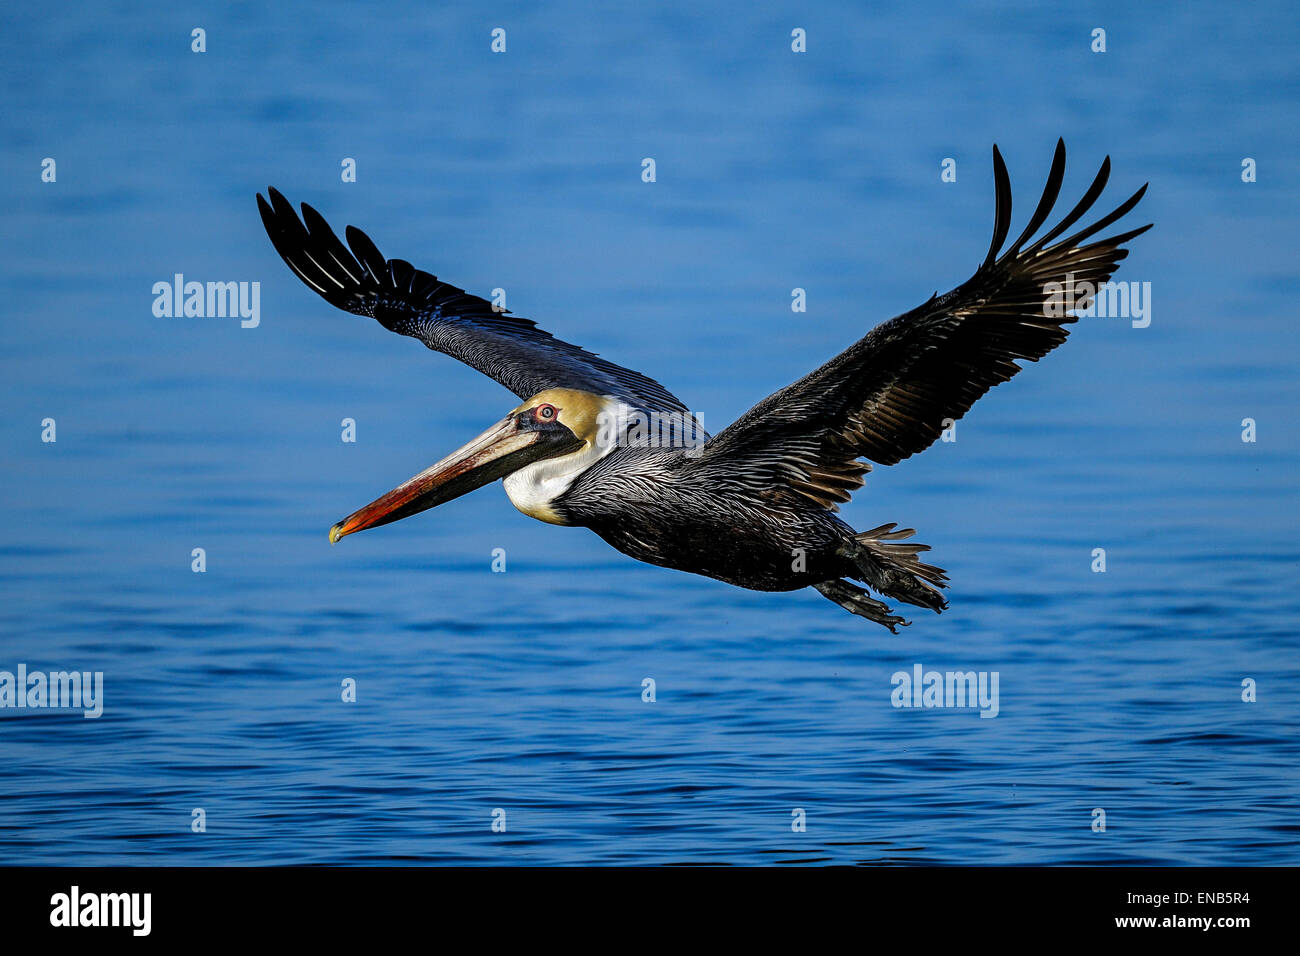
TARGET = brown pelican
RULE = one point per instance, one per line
(753, 505)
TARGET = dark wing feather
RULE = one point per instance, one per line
(407, 300)
(887, 397)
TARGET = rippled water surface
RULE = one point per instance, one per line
(522, 690)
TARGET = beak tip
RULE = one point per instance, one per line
(336, 532)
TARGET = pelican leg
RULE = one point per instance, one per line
(855, 599)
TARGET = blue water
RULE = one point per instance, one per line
(522, 690)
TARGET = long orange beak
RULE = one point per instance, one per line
(502, 449)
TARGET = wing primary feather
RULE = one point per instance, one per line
(324, 237)
(1002, 207)
(1053, 189)
(1125, 237)
(1106, 220)
(282, 234)
(367, 253)
(1083, 205)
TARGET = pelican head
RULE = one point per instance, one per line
(539, 448)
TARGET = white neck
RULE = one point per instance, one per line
(533, 487)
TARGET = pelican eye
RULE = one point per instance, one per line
(545, 413)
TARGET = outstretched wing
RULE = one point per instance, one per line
(504, 347)
(887, 397)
